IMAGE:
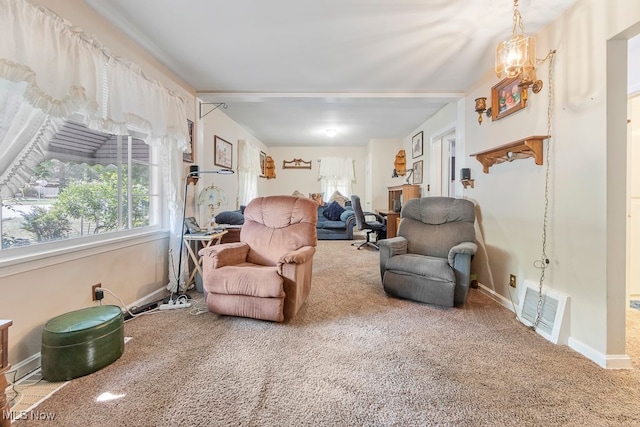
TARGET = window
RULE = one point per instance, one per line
(89, 183)
(335, 174)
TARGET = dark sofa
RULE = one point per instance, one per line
(340, 228)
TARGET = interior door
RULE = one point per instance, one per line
(633, 206)
(442, 166)
(435, 167)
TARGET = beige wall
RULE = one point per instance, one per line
(305, 180)
(437, 125)
(218, 123)
(382, 153)
(586, 236)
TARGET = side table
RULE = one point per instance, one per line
(4, 367)
(206, 240)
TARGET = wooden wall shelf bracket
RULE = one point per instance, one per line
(468, 183)
(520, 149)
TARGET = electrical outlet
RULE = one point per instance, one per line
(512, 280)
(93, 291)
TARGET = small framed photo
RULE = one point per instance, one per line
(263, 164)
(223, 153)
(507, 97)
(188, 157)
(416, 145)
(417, 172)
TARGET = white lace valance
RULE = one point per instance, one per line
(68, 72)
(334, 167)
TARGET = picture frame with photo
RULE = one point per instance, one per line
(417, 172)
(507, 97)
(189, 157)
(263, 164)
(417, 145)
(223, 153)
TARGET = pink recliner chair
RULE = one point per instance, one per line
(267, 275)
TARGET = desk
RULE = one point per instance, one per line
(393, 220)
(206, 240)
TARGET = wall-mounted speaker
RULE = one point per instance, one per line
(465, 173)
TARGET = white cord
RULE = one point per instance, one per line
(152, 311)
(198, 307)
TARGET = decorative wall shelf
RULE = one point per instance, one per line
(520, 149)
(296, 164)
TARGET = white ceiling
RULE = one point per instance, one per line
(289, 69)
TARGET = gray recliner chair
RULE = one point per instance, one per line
(430, 259)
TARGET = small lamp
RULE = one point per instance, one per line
(481, 107)
(213, 197)
(396, 174)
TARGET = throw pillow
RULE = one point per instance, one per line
(230, 217)
(317, 197)
(333, 211)
(338, 197)
(298, 194)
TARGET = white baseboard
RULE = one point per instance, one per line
(607, 361)
(23, 368)
(496, 297)
(153, 296)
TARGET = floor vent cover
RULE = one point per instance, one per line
(553, 322)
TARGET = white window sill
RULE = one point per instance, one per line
(28, 258)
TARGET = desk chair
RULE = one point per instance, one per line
(376, 225)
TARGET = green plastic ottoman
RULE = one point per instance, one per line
(81, 342)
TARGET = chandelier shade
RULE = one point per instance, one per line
(516, 57)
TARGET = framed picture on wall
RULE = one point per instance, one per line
(223, 153)
(188, 157)
(416, 145)
(507, 97)
(263, 164)
(417, 172)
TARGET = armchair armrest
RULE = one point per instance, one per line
(293, 263)
(225, 254)
(299, 256)
(378, 217)
(468, 248)
(389, 248)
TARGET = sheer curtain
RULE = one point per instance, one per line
(335, 174)
(50, 71)
(248, 172)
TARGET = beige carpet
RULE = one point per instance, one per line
(352, 357)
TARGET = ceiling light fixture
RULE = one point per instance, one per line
(516, 57)
(331, 132)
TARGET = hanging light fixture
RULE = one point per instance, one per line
(516, 57)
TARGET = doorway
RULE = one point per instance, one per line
(442, 167)
(632, 299)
